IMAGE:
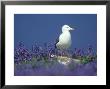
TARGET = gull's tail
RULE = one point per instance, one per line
(56, 41)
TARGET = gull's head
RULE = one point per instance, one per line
(66, 28)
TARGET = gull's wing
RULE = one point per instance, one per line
(58, 41)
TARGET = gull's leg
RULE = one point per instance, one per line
(64, 52)
(67, 53)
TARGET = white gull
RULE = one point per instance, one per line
(64, 41)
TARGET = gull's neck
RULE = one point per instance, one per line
(66, 32)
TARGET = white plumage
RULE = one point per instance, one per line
(65, 38)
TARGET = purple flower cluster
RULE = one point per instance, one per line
(47, 51)
(21, 53)
(80, 53)
(41, 60)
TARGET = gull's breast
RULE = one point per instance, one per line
(64, 41)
